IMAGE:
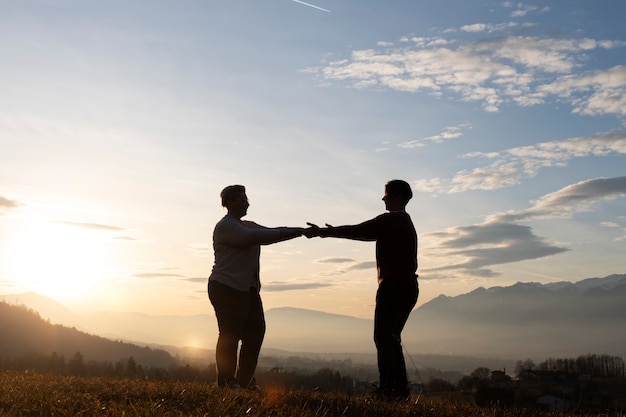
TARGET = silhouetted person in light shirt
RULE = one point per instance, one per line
(234, 286)
(396, 263)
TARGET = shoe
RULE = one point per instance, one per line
(233, 385)
(400, 395)
(256, 389)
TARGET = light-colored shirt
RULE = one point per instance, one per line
(236, 245)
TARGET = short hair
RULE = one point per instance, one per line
(231, 192)
(399, 188)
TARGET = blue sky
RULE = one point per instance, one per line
(120, 122)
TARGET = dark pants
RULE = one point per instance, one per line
(239, 318)
(394, 302)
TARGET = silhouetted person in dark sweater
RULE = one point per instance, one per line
(396, 263)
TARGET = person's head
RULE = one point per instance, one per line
(235, 200)
(397, 194)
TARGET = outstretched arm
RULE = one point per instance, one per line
(286, 233)
(366, 231)
(249, 233)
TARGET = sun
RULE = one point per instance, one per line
(57, 260)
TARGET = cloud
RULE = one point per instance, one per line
(334, 260)
(508, 167)
(473, 248)
(448, 133)
(151, 275)
(93, 226)
(500, 239)
(357, 266)
(7, 205)
(197, 280)
(522, 9)
(202, 250)
(476, 27)
(573, 198)
(487, 27)
(522, 70)
(287, 286)
(600, 92)
(609, 224)
(361, 265)
(354, 266)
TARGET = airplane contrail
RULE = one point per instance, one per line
(311, 5)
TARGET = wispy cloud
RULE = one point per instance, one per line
(7, 204)
(521, 9)
(361, 265)
(354, 266)
(153, 275)
(593, 93)
(334, 260)
(488, 27)
(127, 238)
(573, 198)
(520, 70)
(448, 133)
(500, 239)
(197, 280)
(202, 250)
(508, 167)
(473, 248)
(617, 227)
(609, 224)
(277, 286)
(93, 226)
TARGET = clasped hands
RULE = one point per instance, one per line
(313, 230)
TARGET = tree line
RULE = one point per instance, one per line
(76, 365)
(326, 379)
(603, 366)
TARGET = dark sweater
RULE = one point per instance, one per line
(396, 243)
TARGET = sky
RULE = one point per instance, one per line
(121, 121)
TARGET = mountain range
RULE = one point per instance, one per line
(525, 320)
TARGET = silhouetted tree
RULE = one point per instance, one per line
(481, 375)
(523, 368)
(76, 366)
(439, 385)
(594, 365)
(131, 367)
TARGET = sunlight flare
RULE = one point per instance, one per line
(57, 260)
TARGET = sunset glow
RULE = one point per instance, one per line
(120, 123)
(59, 261)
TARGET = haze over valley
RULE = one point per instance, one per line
(525, 320)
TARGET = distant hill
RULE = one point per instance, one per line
(198, 330)
(25, 333)
(525, 320)
(47, 308)
(298, 329)
(552, 320)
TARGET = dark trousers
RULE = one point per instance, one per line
(394, 302)
(239, 318)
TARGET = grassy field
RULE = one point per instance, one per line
(29, 394)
